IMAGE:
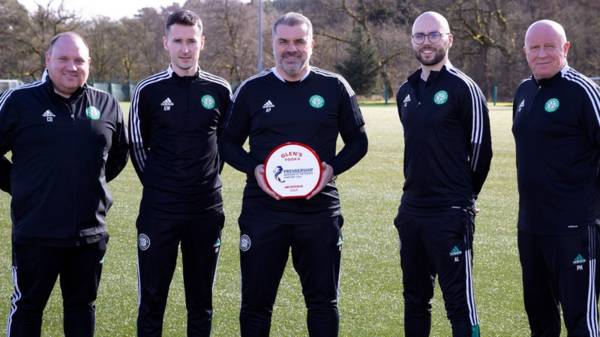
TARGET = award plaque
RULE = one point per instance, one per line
(292, 170)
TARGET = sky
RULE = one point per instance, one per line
(114, 9)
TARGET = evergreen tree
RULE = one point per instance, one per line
(360, 66)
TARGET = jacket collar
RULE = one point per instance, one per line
(174, 74)
(415, 77)
(280, 77)
(554, 78)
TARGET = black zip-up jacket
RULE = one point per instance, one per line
(64, 151)
(556, 124)
(174, 125)
(269, 111)
(448, 146)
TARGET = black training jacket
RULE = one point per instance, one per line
(64, 151)
(448, 149)
(556, 124)
(269, 111)
(174, 125)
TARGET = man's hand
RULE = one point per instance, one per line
(259, 174)
(325, 179)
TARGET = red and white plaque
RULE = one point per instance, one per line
(292, 170)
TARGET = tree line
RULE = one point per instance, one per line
(368, 41)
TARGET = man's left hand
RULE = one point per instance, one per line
(326, 176)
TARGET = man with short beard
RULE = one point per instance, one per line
(447, 156)
(292, 102)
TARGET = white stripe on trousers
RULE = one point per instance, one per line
(15, 298)
(592, 314)
(469, 281)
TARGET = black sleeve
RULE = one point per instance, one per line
(351, 124)
(355, 147)
(224, 107)
(591, 113)
(6, 127)
(119, 150)
(139, 126)
(235, 134)
(5, 167)
(400, 99)
(477, 123)
(519, 97)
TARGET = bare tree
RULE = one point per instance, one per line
(101, 34)
(229, 27)
(385, 31)
(488, 36)
(44, 23)
(13, 23)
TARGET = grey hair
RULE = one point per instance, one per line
(294, 19)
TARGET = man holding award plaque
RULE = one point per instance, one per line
(292, 115)
(447, 156)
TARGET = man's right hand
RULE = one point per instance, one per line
(259, 174)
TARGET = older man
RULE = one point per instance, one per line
(67, 141)
(557, 135)
(292, 102)
(446, 160)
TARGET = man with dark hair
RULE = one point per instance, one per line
(292, 102)
(67, 141)
(556, 124)
(175, 119)
(447, 157)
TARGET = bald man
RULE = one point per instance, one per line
(67, 141)
(446, 160)
(556, 126)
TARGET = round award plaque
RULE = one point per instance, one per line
(292, 170)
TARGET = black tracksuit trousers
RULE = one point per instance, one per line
(316, 253)
(158, 243)
(35, 270)
(559, 274)
(437, 243)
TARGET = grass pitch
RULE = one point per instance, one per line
(371, 289)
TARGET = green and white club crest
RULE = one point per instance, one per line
(208, 102)
(552, 105)
(440, 97)
(316, 101)
(92, 113)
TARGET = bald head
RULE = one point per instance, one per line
(68, 63)
(71, 37)
(431, 40)
(546, 48)
(547, 27)
(430, 20)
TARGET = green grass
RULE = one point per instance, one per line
(371, 290)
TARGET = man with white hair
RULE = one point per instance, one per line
(556, 126)
(446, 160)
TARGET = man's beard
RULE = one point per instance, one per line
(294, 68)
(440, 54)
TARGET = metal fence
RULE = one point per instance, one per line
(121, 91)
(9, 84)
